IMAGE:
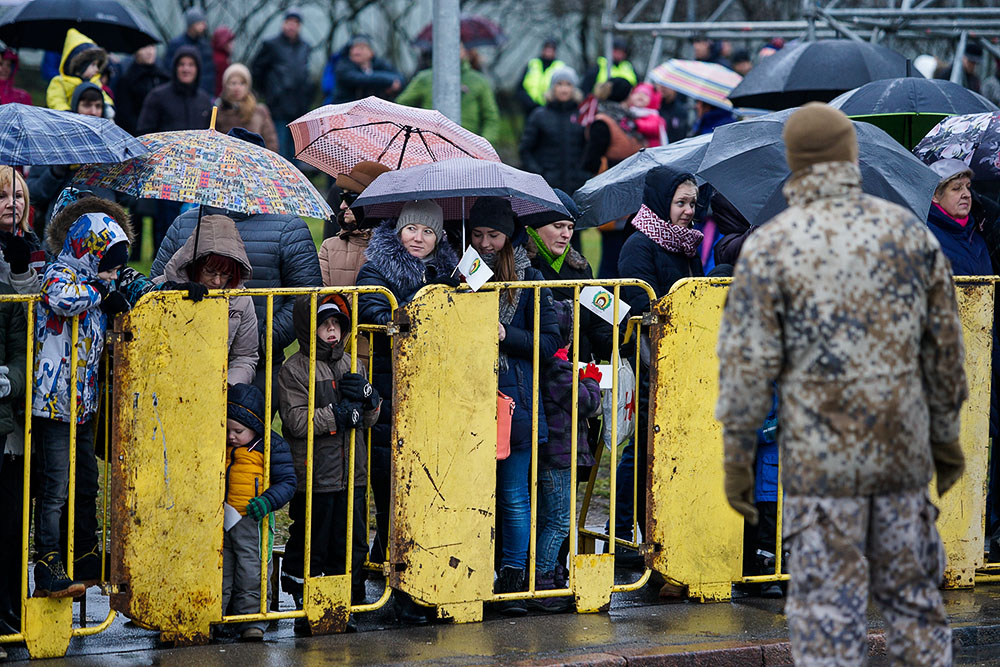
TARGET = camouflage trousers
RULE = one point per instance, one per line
(842, 548)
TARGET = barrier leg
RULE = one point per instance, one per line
(47, 625)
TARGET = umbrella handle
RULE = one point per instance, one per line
(215, 112)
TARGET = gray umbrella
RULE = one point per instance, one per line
(618, 192)
(455, 185)
(745, 161)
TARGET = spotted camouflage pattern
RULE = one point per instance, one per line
(846, 301)
(842, 547)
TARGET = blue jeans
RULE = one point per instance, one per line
(51, 441)
(514, 507)
(553, 515)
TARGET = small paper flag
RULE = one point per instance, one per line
(602, 302)
(474, 269)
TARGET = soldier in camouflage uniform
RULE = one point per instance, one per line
(846, 302)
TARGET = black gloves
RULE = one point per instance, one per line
(450, 281)
(355, 387)
(195, 291)
(15, 252)
(347, 414)
(115, 303)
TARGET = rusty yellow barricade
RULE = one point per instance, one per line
(698, 538)
(167, 502)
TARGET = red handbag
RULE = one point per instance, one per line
(505, 414)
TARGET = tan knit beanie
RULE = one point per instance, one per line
(819, 133)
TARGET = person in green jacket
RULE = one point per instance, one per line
(480, 113)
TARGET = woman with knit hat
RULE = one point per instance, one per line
(238, 107)
(403, 255)
(662, 250)
(492, 228)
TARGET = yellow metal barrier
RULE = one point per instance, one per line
(167, 509)
(697, 536)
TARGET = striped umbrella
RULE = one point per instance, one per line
(707, 82)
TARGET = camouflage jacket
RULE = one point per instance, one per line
(847, 302)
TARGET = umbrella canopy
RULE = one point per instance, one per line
(707, 82)
(617, 192)
(336, 137)
(455, 185)
(475, 31)
(212, 169)
(816, 71)
(974, 139)
(34, 135)
(746, 162)
(42, 24)
(908, 107)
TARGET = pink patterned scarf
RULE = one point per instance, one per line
(672, 238)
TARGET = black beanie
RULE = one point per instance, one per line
(620, 89)
(115, 256)
(494, 213)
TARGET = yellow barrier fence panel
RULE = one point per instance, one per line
(168, 453)
(698, 537)
(963, 509)
(444, 450)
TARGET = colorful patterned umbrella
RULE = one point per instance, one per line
(973, 138)
(455, 185)
(212, 169)
(336, 137)
(707, 82)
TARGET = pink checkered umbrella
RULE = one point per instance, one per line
(336, 137)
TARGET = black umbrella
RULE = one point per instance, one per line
(816, 72)
(907, 108)
(42, 24)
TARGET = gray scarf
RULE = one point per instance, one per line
(509, 306)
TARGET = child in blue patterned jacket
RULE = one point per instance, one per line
(77, 285)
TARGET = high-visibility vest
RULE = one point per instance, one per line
(537, 79)
(622, 70)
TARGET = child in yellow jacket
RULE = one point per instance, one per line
(82, 60)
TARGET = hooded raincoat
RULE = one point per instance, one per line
(65, 294)
(77, 49)
(218, 236)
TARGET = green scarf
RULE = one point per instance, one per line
(553, 261)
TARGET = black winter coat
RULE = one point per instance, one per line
(354, 84)
(281, 71)
(390, 265)
(131, 91)
(282, 253)
(643, 259)
(552, 145)
(13, 349)
(175, 105)
(595, 333)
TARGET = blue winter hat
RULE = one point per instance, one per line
(246, 135)
(245, 404)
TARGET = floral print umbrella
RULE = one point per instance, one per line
(973, 138)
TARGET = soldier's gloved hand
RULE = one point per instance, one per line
(115, 303)
(355, 387)
(949, 464)
(258, 508)
(347, 414)
(4, 382)
(739, 490)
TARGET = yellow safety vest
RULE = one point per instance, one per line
(537, 80)
(622, 70)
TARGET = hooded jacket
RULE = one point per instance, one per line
(847, 303)
(330, 443)
(282, 253)
(203, 48)
(222, 49)
(132, 89)
(175, 105)
(65, 293)
(8, 91)
(245, 464)
(734, 228)
(389, 265)
(77, 50)
(219, 236)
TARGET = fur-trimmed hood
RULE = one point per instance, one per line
(573, 259)
(389, 258)
(58, 226)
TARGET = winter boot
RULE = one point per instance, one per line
(561, 575)
(511, 580)
(546, 581)
(87, 568)
(51, 580)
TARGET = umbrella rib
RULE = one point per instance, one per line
(349, 127)
(420, 133)
(391, 141)
(444, 138)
